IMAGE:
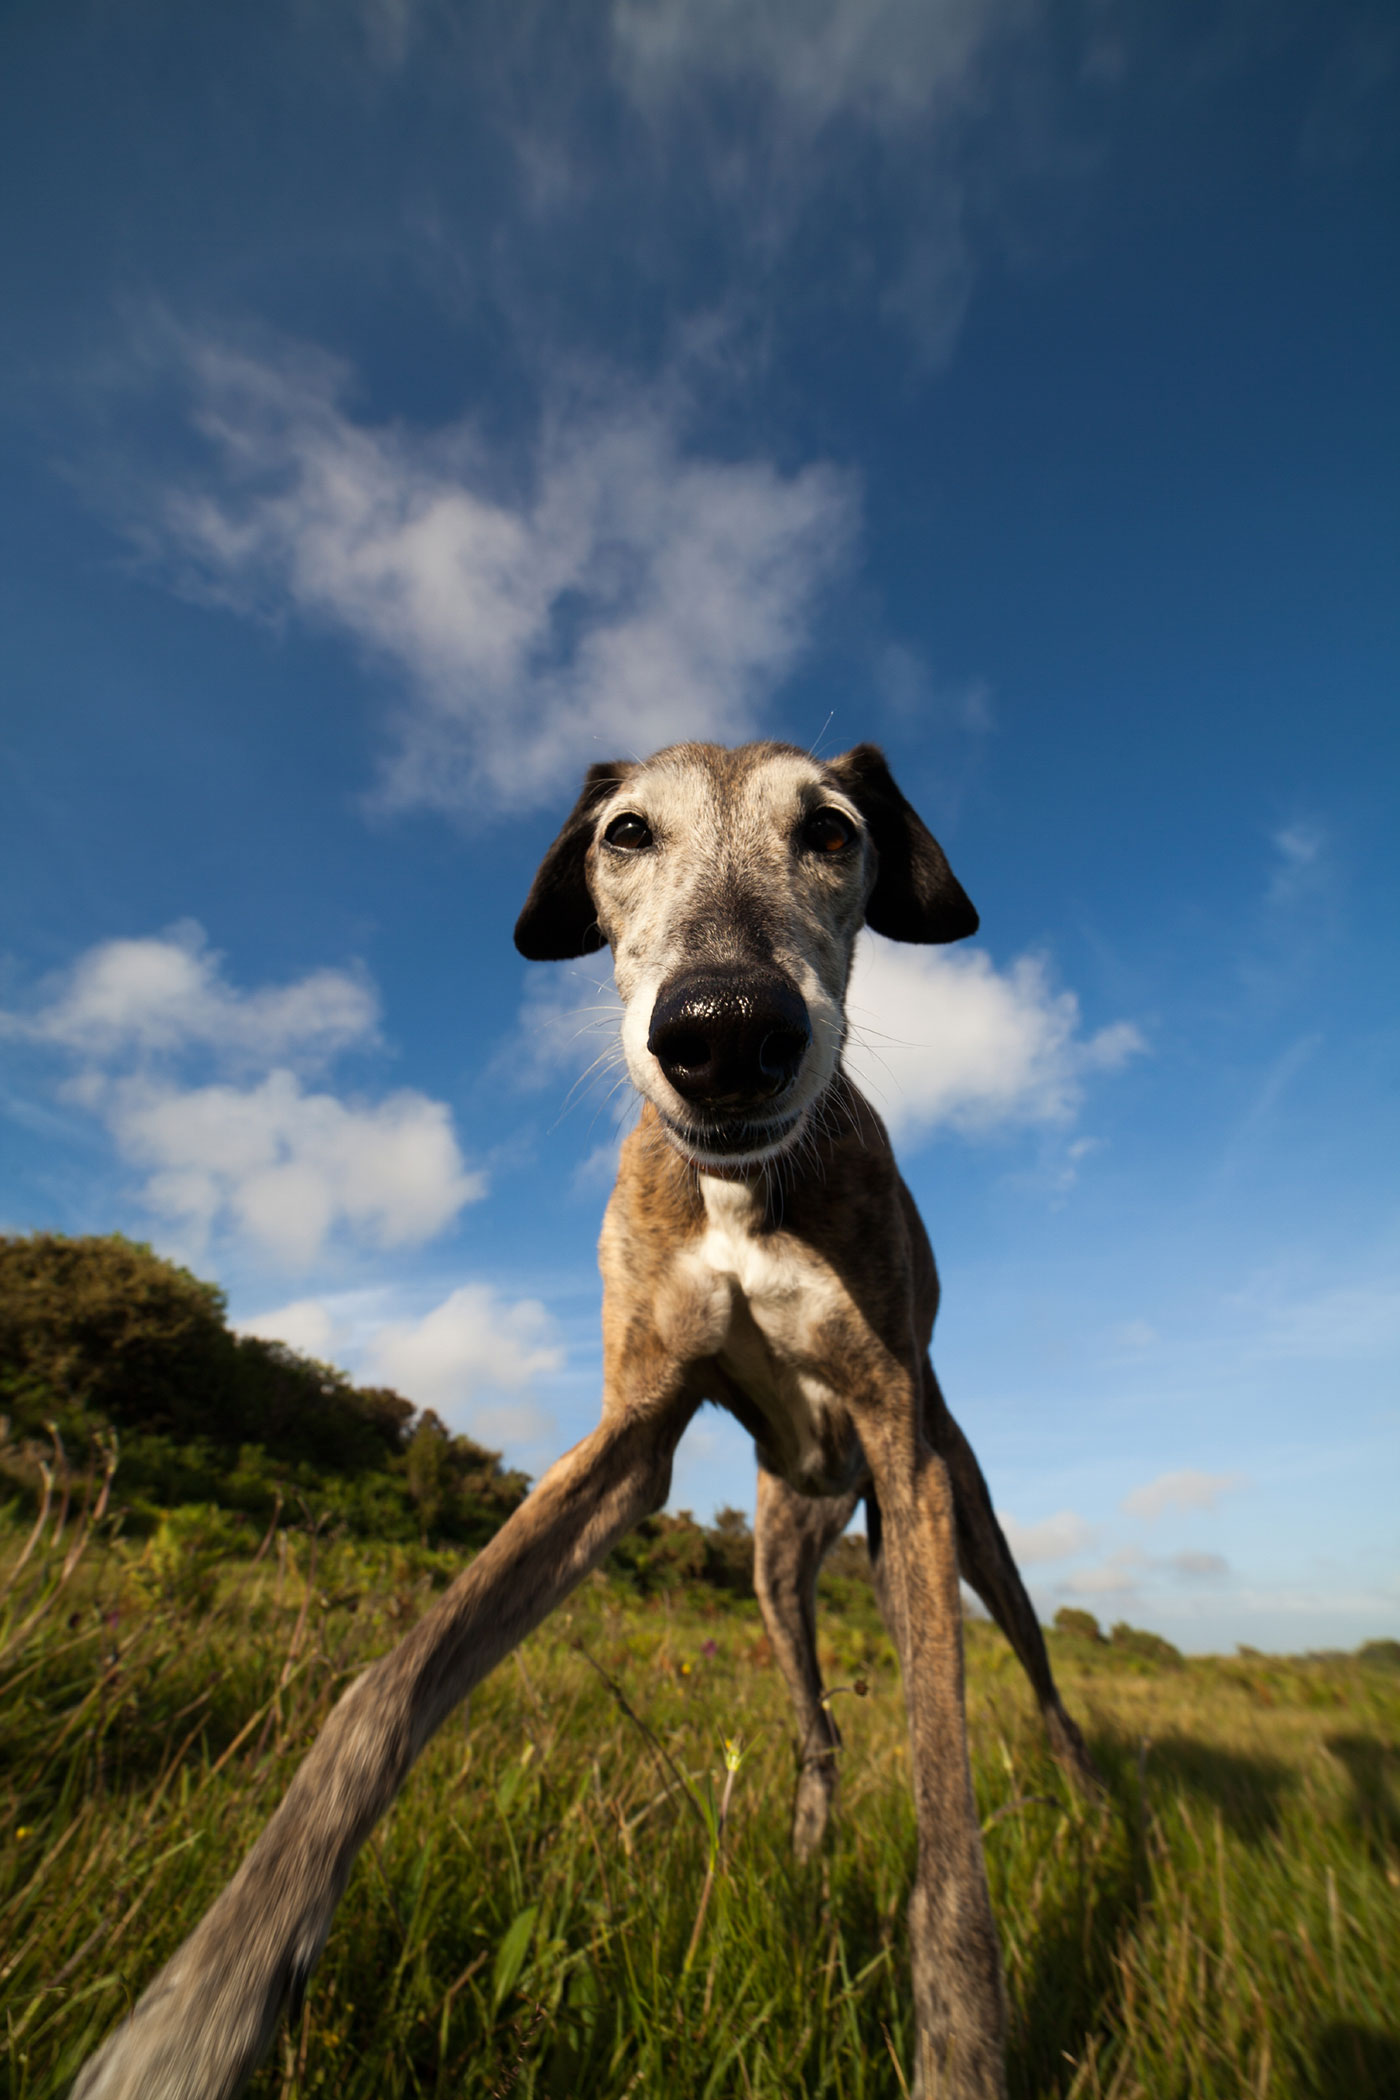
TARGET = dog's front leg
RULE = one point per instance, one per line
(204, 2023)
(958, 1998)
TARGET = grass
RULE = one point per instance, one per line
(557, 1905)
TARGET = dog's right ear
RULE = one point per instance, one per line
(559, 920)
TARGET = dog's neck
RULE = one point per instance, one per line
(738, 1202)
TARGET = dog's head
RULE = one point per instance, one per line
(730, 886)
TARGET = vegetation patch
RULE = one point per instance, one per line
(586, 1886)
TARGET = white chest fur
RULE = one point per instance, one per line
(774, 1297)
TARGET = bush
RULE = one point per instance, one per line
(1078, 1625)
(1145, 1647)
(102, 1333)
(180, 1562)
(102, 1328)
(729, 1552)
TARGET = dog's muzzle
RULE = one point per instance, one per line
(731, 1044)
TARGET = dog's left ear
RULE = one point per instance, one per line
(559, 920)
(916, 897)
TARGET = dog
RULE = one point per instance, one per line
(759, 1251)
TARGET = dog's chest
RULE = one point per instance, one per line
(773, 1303)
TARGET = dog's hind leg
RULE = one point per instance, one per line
(207, 2018)
(988, 1567)
(792, 1535)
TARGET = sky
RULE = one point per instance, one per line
(404, 404)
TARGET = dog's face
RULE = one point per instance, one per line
(730, 886)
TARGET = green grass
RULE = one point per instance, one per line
(1226, 1923)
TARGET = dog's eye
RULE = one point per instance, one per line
(828, 831)
(630, 831)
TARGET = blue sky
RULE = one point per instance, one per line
(404, 404)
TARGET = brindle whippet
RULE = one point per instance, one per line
(760, 1250)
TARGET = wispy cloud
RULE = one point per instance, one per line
(201, 1087)
(942, 1038)
(1129, 1573)
(909, 688)
(1136, 1336)
(900, 101)
(1119, 1576)
(1300, 868)
(609, 594)
(1344, 1323)
(389, 27)
(1052, 1538)
(1352, 117)
(1199, 1567)
(892, 62)
(1301, 917)
(568, 1030)
(1188, 1489)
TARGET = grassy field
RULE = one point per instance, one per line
(525, 1922)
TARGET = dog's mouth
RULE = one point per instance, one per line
(734, 1143)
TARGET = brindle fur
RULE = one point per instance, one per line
(795, 1287)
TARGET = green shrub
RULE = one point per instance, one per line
(180, 1561)
(1144, 1647)
(1078, 1625)
(101, 1333)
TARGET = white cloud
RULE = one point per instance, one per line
(1199, 1567)
(620, 594)
(251, 1149)
(938, 1037)
(474, 1359)
(169, 993)
(306, 1325)
(1052, 1538)
(941, 1037)
(1184, 1490)
(289, 1169)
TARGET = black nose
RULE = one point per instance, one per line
(729, 1038)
